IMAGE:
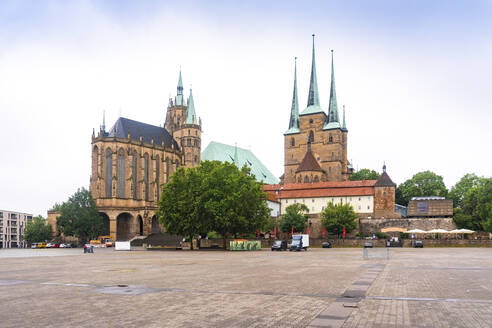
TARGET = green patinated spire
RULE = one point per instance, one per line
(294, 110)
(103, 127)
(313, 106)
(313, 97)
(190, 112)
(179, 95)
(333, 121)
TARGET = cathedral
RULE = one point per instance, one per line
(133, 160)
(315, 144)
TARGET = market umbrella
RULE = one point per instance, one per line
(416, 231)
(465, 231)
(438, 231)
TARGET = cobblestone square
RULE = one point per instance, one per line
(440, 287)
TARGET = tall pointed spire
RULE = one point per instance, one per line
(333, 121)
(333, 107)
(103, 127)
(190, 112)
(313, 106)
(313, 97)
(294, 110)
(179, 95)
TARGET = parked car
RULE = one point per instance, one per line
(326, 244)
(279, 245)
(367, 245)
(418, 244)
(34, 245)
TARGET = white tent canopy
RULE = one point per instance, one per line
(416, 231)
(438, 231)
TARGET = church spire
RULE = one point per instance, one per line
(103, 127)
(294, 110)
(333, 107)
(333, 121)
(313, 97)
(179, 95)
(190, 112)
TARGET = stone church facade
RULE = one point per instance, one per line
(133, 160)
(315, 144)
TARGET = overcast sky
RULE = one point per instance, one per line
(414, 77)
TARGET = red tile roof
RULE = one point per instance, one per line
(322, 189)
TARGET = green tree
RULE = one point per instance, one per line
(424, 183)
(295, 217)
(181, 209)
(37, 230)
(364, 174)
(336, 216)
(79, 217)
(476, 207)
(214, 196)
(457, 192)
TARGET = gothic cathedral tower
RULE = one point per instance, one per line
(185, 127)
(315, 145)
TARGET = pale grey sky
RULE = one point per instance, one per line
(414, 78)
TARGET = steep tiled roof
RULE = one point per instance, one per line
(217, 151)
(385, 181)
(309, 163)
(123, 126)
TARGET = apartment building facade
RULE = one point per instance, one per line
(12, 225)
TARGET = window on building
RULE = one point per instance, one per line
(332, 156)
(168, 167)
(360, 198)
(146, 175)
(330, 139)
(311, 136)
(384, 193)
(306, 179)
(299, 179)
(310, 121)
(120, 174)
(313, 200)
(109, 172)
(292, 142)
(368, 207)
(189, 142)
(350, 198)
(157, 176)
(316, 179)
(1, 215)
(303, 200)
(286, 201)
(134, 174)
(359, 207)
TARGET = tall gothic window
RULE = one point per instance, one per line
(167, 169)
(120, 174)
(316, 179)
(306, 179)
(292, 142)
(146, 175)
(95, 161)
(134, 173)
(311, 136)
(330, 139)
(157, 173)
(109, 172)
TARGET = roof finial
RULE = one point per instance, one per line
(313, 97)
(384, 166)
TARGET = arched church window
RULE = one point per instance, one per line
(146, 175)
(299, 179)
(196, 159)
(292, 142)
(332, 156)
(310, 121)
(95, 161)
(306, 179)
(134, 174)
(311, 136)
(157, 175)
(120, 174)
(315, 179)
(167, 169)
(189, 142)
(109, 172)
(330, 139)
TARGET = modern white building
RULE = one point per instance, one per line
(12, 225)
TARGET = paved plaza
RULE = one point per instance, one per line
(439, 287)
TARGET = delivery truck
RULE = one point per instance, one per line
(299, 242)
